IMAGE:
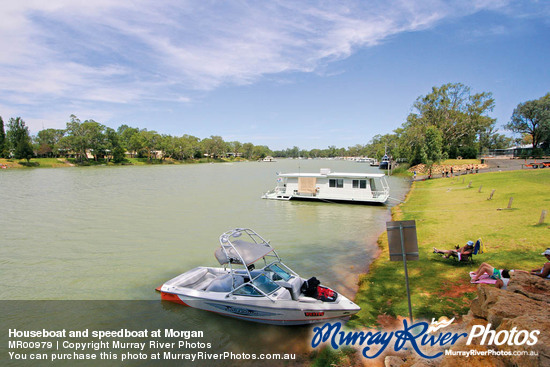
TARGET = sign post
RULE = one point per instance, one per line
(403, 246)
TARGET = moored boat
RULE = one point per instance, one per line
(327, 186)
(272, 293)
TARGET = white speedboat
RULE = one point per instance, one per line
(255, 285)
(327, 186)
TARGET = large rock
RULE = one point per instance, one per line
(525, 305)
(530, 286)
(496, 305)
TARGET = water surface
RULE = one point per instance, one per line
(116, 233)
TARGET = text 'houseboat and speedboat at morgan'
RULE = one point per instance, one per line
(365, 188)
(273, 293)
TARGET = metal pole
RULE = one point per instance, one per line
(406, 271)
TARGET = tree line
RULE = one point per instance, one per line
(90, 138)
(449, 122)
(452, 122)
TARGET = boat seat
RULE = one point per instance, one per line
(190, 277)
(294, 285)
(224, 283)
(202, 284)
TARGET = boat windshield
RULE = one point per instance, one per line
(265, 284)
(279, 273)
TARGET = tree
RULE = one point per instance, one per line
(150, 141)
(19, 139)
(48, 141)
(214, 146)
(75, 139)
(460, 116)
(247, 150)
(126, 132)
(533, 118)
(4, 152)
(114, 146)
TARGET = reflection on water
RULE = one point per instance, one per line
(103, 233)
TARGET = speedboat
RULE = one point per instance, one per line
(255, 285)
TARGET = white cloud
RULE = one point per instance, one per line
(126, 52)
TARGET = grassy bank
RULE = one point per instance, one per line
(71, 162)
(449, 213)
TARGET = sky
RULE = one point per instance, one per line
(280, 73)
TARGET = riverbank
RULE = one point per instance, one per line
(449, 212)
(70, 162)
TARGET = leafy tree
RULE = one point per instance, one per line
(75, 139)
(95, 138)
(460, 116)
(19, 139)
(126, 132)
(260, 152)
(4, 152)
(48, 141)
(114, 145)
(247, 150)
(533, 118)
(151, 141)
(434, 144)
(214, 146)
(137, 145)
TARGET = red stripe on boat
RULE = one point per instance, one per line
(172, 298)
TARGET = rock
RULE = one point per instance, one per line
(523, 306)
(530, 286)
(495, 305)
(540, 351)
(393, 361)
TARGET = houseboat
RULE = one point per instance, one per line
(327, 186)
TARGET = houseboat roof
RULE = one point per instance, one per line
(334, 175)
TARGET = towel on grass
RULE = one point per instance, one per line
(485, 278)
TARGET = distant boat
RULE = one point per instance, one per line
(364, 160)
(385, 162)
(269, 159)
(327, 186)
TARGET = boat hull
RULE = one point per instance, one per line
(268, 312)
(369, 201)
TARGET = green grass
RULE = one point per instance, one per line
(448, 213)
(35, 162)
(62, 162)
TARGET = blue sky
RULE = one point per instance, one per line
(278, 73)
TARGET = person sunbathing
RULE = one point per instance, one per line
(502, 276)
(461, 253)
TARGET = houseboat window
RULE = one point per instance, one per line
(336, 182)
(373, 185)
(359, 184)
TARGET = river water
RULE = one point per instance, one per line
(107, 236)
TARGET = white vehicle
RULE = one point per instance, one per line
(331, 187)
(272, 294)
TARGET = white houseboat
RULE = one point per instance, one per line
(367, 188)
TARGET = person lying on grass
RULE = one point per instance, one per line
(502, 276)
(461, 253)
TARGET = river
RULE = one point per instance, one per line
(103, 238)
